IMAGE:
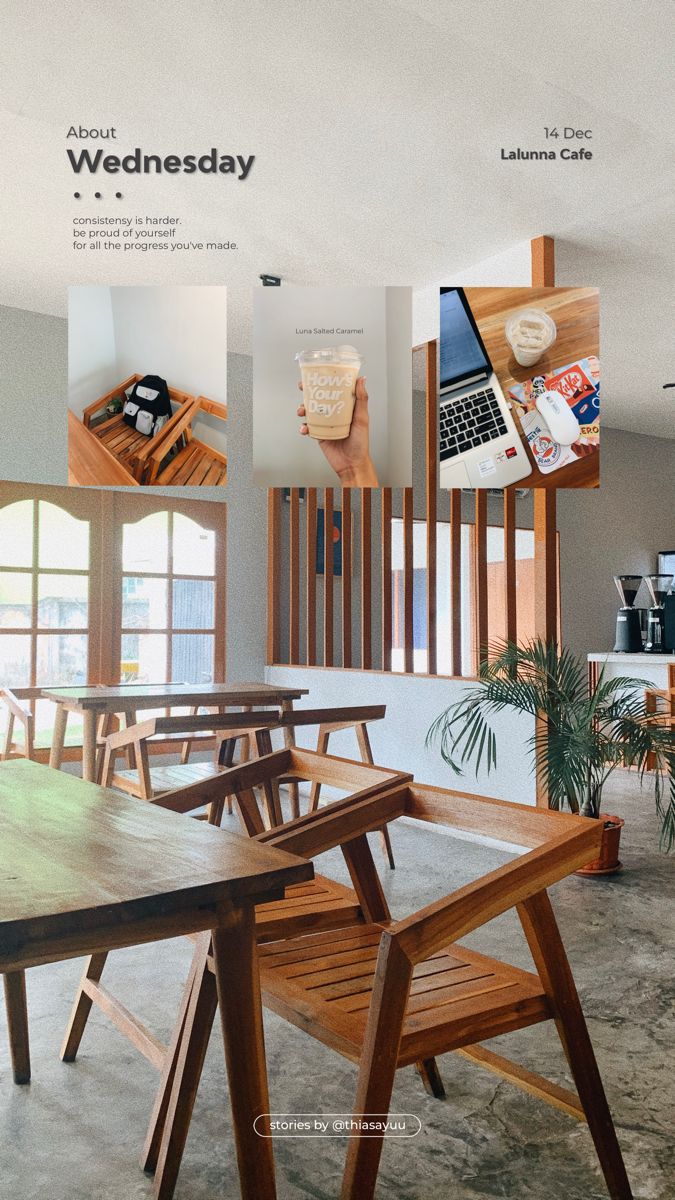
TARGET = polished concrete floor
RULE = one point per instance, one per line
(75, 1132)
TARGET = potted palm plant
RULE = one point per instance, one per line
(579, 739)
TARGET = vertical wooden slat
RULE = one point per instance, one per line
(310, 555)
(510, 601)
(386, 577)
(431, 489)
(273, 574)
(328, 578)
(366, 581)
(545, 565)
(346, 577)
(408, 626)
(294, 580)
(480, 575)
(456, 580)
(543, 261)
(545, 538)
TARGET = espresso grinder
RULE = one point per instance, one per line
(659, 586)
(628, 629)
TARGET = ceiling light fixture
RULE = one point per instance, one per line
(270, 280)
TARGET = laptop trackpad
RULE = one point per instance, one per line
(454, 475)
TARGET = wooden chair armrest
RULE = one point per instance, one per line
(158, 446)
(15, 706)
(337, 823)
(132, 733)
(89, 411)
(438, 925)
(212, 406)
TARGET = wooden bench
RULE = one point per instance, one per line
(111, 452)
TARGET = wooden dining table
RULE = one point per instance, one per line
(576, 312)
(85, 869)
(93, 701)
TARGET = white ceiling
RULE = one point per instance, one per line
(377, 129)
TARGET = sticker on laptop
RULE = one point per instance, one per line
(487, 466)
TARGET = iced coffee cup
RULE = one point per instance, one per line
(328, 388)
(530, 333)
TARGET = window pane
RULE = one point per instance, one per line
(45, 711)
(15, 599)
(16, 534)
(63, 601)
(15, 659)
(143, 658)
(143, 603)
(194, 548)
(192, 658)
(145, 544)
(193, 604)
(61, 659)
(64, 540)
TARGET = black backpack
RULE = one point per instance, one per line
(148, 406)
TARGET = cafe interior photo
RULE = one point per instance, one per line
(336, 826)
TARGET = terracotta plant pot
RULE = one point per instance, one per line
(608, 863)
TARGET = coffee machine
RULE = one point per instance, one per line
(659, 586)
(628, 625)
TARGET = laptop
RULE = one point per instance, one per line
(479, 444)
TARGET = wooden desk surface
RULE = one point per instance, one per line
(155, 695)
(81, 865)
(576, 312)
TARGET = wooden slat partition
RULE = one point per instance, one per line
(480, 575)
(510, 595)
(328, 578)
(369, 586)
(366, 580)
(273, 574)
(456, 580)
(385, 534)
(294, 579)
(545, 565)
(408, 648)
(310, 556)
(432, 488)
(346, 577)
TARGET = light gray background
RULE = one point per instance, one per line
(281, 457)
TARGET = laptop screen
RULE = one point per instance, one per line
(463, 357)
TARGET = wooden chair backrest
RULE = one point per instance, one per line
(332, 719)
(136, 737)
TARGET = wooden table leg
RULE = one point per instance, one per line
(58, 736)
(89, 746)
(17, 1024)
(289, 742)
(238, 984)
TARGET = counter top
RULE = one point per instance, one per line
(642, 659)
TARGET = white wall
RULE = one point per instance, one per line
(512, 268)
(92, 362)
(398, 740)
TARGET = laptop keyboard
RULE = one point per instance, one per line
(470, 422)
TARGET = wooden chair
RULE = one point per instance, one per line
(391, 993)
(126, 446)
(660, 704)
(331, 720)
(15, 981)
(196, 463)
(16, 711)
(149, 782)
(321, 904)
